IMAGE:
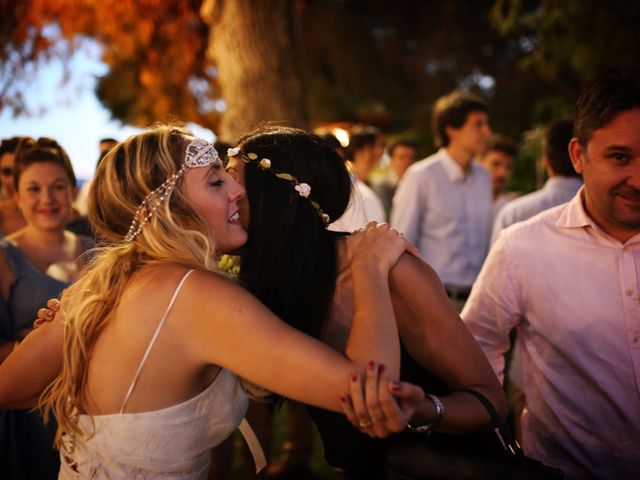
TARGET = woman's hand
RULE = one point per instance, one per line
(48, 313)
(377, 245)
(379, 407)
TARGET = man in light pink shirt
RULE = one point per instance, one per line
(568, 281)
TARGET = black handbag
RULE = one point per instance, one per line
(491, 455)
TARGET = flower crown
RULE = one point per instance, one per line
(199, 153)
(303, 189)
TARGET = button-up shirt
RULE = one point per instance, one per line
(447, 214)
(571, 291)
(556, 191)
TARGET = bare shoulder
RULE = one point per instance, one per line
(214, 294)
(213, 283)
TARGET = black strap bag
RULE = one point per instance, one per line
(486, 455)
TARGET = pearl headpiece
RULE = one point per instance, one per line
(199, 153)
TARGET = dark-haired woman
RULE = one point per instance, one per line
(300, 270)
(36, 263)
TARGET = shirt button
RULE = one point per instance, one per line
(628, 293)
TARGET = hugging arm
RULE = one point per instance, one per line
(435, 336)
(240, 334)
(34, 364)
(237, 332)
(380, 407)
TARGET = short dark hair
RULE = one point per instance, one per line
(452, 110)
(610, 92)
(289, 261)
(43, 150)
(498, 143)
(556, 146)
(361, 136)
(10, 145)
(403, 143)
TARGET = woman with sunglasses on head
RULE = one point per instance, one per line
(36, 263)
(163, 206)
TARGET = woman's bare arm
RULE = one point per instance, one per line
(31, 367)
(239, 333)
(435, 336)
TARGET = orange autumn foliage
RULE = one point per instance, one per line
(155, 51)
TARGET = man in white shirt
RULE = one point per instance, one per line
(568, 281)
(366, 146)
(443, 203)
(563, 182)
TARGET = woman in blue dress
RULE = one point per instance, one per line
(36, 263)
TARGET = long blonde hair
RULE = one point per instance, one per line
(174, 234)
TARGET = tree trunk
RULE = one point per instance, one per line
(253, 44)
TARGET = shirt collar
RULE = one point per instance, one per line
(575, 216)
(560, 183)
(453, 169)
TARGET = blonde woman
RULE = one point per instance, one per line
(152, 332)
(36, 262)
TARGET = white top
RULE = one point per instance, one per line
(447, 214)
(556, 190)
(170, 443)
(572, 293)
(364, 207)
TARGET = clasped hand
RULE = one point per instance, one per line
(379, 407)
(379, 244)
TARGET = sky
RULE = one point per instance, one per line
(72, 114)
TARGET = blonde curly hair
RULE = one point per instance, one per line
(175, 234)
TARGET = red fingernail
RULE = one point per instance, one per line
(395, 386)
(343, 399)
(371, 364)
(354, 377)
(382, 368)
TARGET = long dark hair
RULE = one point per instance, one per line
(290, 260)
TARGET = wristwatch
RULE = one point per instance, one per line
(427, 428)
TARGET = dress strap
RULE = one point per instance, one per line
(153, 340)
(254, 445)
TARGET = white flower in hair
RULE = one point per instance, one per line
(303, 189)
(232, 152)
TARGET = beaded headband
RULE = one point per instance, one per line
(303, 189)
(199, 153)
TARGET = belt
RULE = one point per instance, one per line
(457, 293)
